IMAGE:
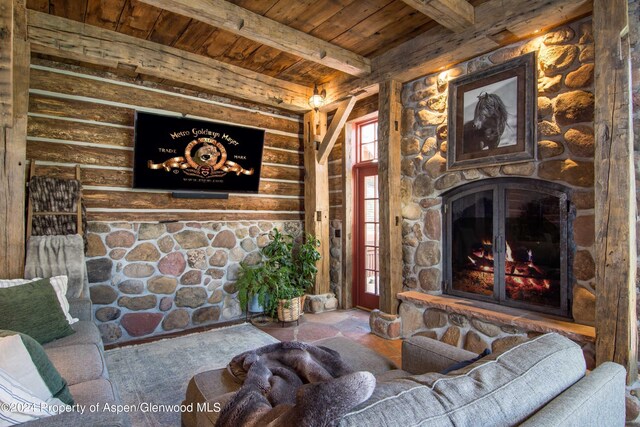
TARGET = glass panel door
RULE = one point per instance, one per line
(368, 241)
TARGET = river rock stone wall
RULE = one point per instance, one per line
(335, 251)
(565, 150)
(152, 278)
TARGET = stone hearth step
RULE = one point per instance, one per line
(494, 314)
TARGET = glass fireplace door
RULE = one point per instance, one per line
(534, 247)
(472, 235)
(507, 242)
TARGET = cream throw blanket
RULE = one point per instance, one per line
(49, 256)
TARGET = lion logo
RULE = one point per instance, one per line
(207, 155)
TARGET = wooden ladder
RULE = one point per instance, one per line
(31, 213)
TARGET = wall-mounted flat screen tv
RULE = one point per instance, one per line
(183, 154)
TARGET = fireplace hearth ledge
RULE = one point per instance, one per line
(501, 315)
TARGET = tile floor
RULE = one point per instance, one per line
(353, 324)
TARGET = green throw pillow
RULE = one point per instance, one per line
(48, 373)
(33, 309)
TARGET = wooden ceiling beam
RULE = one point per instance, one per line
(456, 15)
(242, 22)
(337, 124)
(60, 37)
(436, 50)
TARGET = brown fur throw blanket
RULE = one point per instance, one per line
(293, 384)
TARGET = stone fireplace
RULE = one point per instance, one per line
(509, 227)
(507, 241)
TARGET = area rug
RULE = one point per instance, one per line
(158, 373)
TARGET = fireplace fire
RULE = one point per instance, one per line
(507, 243)
(524, 280)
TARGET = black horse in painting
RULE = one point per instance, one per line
(487, 126)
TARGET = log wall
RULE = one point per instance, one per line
(80, 116)
(158, 264)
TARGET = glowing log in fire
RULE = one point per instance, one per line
(523, 279)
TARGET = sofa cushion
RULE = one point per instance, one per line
(393, 374)
(358, 357)
(421, 354)
(78, 363)
(33, 309)
(465, 363)
(59, 284)
(22, 358)
(81, 308)
(19, 405)
(86, 333)
(100, 390)
(501, 389)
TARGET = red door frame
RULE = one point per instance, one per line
(361, 298)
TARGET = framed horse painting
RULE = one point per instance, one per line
(492, 115)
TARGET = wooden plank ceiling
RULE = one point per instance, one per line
(350, 46)
(365, 27)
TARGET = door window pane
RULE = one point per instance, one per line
(367, 141)
(370, 234)
(370, 285)
(367, 152)
(371, 187)
(368, 132)
(370, 210)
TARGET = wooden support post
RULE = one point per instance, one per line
(14, 99)
(615, 213)
(316, 194)
(389, 118)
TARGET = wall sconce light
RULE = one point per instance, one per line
(317, 99)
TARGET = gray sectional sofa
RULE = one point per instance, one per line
(542, 382)
(79, 358)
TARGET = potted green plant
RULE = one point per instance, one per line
(286, 272)
(253, 287)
